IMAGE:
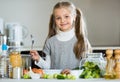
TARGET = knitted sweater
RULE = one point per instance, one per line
(59, 54)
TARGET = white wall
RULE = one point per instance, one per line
(103, 21)
(102, 18)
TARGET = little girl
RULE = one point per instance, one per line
(67, 42)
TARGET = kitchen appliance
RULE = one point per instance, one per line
(16, 34)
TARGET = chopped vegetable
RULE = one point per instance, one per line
(61, 76)
(26, 76)
(91, 70)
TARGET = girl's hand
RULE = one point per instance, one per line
(35, 55)
(66, 71)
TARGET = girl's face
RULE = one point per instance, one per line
(63, 19)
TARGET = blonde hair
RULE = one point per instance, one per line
(80, 31)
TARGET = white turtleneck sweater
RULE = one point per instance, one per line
(65, 36)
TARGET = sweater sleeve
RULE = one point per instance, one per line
(45, 64)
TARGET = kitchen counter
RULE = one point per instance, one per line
(25, 50)
(94, 48)
(104, 48)
(56, 80)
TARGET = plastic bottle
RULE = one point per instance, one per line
(3, 62)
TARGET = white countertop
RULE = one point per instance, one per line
(56, 80)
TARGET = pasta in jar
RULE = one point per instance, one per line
(15, 59)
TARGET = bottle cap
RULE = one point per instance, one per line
(4, 47)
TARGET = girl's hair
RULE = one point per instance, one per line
(80, 31)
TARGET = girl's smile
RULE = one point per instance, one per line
(63, 24)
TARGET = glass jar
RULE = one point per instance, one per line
(15, 59)
(96, 58)
(16, 63)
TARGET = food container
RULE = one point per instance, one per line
(52, 71)
(26, 61)
(16, 64)
(16, 73)
(96, 58)
(35, 76)
(76, 73)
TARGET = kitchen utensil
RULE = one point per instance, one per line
(32, 40)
